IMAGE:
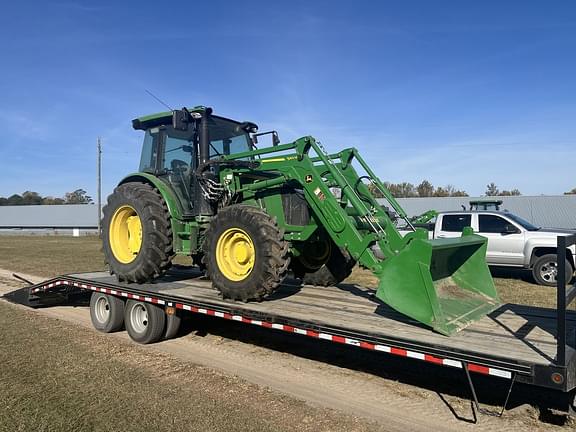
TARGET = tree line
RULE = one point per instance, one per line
(398, 190)
(79, 196)
(427, 189)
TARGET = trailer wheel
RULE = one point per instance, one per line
(545, 270)
(145, 322)
(106, 312)
(173, 322)
(246, 255)
(137, 233)
(338, 267)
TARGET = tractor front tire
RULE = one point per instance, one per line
(246, 255)
(136, 233)
(338, 267)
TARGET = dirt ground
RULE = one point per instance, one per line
(365, 390)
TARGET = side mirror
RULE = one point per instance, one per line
(275, 138)
(180, 119)
(510, 229)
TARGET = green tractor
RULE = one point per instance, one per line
(250, 215)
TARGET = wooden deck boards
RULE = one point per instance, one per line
(511, 332)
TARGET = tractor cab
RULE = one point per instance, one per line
(176, 143)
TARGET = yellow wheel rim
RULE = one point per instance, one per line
(125, 234)
(235, 254)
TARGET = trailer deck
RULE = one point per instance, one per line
(514, 342)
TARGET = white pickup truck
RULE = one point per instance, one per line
(512, 241)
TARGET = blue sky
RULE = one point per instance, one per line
(456, 92)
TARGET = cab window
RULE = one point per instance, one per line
(492, 224)
(456, 223)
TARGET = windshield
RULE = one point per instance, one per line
(527, 225)
(226, 138)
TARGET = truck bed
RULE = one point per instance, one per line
(512, 341)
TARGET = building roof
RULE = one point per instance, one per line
(550, 211)
(544, 211)
(49, 216)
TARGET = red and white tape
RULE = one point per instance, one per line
(291, 329)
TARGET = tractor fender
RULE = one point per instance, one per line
(167, 194)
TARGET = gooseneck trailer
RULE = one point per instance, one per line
(520, 344)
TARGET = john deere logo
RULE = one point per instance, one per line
(308, 179)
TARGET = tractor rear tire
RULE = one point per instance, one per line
(136, 233)
(246, 255)
(338, 267)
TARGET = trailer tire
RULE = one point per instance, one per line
(137, 233)
(545, 269)
(106, 312)
(145, 322)
(173, 322)
(338, 267)
(246, 255)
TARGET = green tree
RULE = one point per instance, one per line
(572, 192)
(14, 200)
(441, 192)
(406, 190)
(425, 189)
(79, 196)
(492, 189)
(31, 198)
(459, 193)
(375, 191)
(52, 201)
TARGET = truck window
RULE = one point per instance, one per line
(456, 223)
(492, 224)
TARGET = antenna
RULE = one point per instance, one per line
(158, 99)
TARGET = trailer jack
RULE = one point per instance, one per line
(476, 408)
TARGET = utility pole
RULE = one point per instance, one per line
(99, 182)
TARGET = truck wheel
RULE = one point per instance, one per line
(136, 234)
(145, 322)
(545, 270)
(246, 255)
(337, 268)
(106, 312)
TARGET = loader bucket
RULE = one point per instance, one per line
(442, 283)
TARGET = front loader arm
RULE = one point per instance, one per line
(443, 283)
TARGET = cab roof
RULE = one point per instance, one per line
(161, 118)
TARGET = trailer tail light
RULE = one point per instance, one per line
(557, 378)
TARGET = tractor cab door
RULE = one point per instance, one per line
(178, 164)
(171, 156)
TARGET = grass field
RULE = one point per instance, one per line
(56, 376)
(51, 256)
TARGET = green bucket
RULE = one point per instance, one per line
(442, 283)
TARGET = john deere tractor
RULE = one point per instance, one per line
(248, 215)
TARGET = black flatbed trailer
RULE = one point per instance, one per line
(516, 343)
